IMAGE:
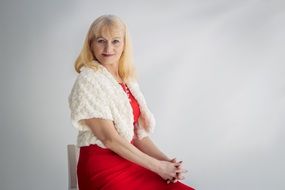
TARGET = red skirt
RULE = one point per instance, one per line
(102, 169)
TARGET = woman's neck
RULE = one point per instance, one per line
(114, 70)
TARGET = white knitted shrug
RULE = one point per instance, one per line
(96, 94)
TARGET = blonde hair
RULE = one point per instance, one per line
(107, 23)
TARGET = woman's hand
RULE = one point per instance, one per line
(179, 175)
(168, 170)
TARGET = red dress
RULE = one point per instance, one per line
(102, 169)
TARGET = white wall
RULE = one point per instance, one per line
(212, 72)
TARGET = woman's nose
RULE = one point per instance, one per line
(108, 47)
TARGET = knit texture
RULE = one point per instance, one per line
(96, 94)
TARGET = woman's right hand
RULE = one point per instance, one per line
(168, 170)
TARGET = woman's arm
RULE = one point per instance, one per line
(105, 131)
(148, 147)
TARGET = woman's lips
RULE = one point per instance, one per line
(107, 55)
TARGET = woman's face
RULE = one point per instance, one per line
(108, 47)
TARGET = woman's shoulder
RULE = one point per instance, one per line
(88, 71)
(89, 74)
(86, 82)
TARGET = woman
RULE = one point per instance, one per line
(113, 119)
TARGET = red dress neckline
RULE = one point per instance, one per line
(133, 102)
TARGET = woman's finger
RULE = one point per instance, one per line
(173, 160)
(180, 176)
(180, 170)
(174, 180)
(177, 164)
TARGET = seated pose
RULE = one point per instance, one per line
(113, 119)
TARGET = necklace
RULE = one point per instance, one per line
(127, 91)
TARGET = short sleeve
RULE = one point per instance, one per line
(141, 132)
(87, 100)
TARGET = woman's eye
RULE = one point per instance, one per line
(116, 41)
(100, 41)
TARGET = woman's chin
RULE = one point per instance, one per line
(108, 62)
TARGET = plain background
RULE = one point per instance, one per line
(212, 72)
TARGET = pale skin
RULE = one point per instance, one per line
(107, 50)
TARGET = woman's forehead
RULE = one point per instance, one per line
(109, 32)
